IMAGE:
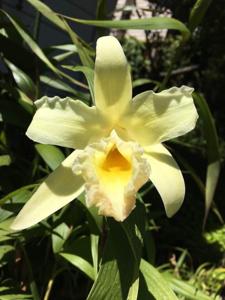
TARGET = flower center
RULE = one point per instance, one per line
(113, 170)
(114, 166)
(115, 161)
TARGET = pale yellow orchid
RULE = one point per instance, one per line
(118, 141)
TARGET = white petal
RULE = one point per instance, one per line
(156, 117)
(166, 177)
(66, 122)
(61, 187)
(112, 80)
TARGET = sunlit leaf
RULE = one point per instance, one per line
(26, 102)
(156, 283)
(5, 160)
(80, 263)
(83, 52)
(48, 13)
(31, 43)
(59, 236)
(142, 81)
(198, 12)
(153, 23)
(185, 289)
(52, 155)
(18, 192)
(118, 277)
(213, 153)
(24, 82)
(89, 74)
(7, 293)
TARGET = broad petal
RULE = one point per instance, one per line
(166, 177)
(112, 80)
(156, 117)
(61, 187)
(66, 122)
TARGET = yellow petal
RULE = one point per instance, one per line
(156, 117)
(66, 122)
(112, 81)
(61, 187)
(113, 170)
(166, 177)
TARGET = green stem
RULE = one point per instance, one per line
(49, 288)
(36, 29)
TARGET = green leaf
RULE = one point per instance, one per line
(18, 192)
(59, 236)
(156, 283)
(133, 291)
(198, 12)
(89, 74)
(25, 102)
(95, 220)
(83, 52)
(185, 289)
(141, 81)
(52, 155)
(80, 263)
(213, 152)
(48, 13)
(153, 23)
(5, 229)
(6, 293)
(23, 81)
(62, 86)
(5, 160)
(119, 271)
(94, 252)
(57, 84)
(31, 43)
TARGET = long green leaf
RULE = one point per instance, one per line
(30, 42)
(185, 289)
(54, 18)
(157, 285)
(24, 82)
(118, 277)
(213, 153)
(18, 191)
(88, 73)
(83, 52)
(48, 13)
(7, 293)
(80, 263)
(198, 12)
(144, 24)
(57, 84)
(52, 155)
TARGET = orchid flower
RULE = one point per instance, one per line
(118, 143)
